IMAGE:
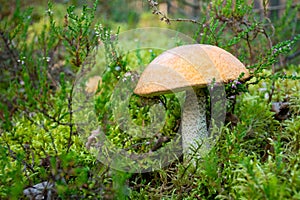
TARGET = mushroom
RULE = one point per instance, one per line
(190, 68)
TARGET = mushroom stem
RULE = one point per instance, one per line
(194, 128)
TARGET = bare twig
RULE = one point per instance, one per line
(52, 118)
(12, 155)
(294, 55)
(154, 5)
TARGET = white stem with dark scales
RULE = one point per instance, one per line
(193, 124)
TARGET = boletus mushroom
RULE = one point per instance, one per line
(190, 68)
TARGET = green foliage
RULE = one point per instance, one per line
(11, 182)
(266, 181)
(40, 141)
(234, 26)
(118, 79)
(258, 158)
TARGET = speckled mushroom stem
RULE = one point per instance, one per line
(193, 127)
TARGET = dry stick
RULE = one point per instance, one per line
(164, 17)
(154, 4)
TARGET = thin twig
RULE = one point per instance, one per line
(12, 154)
(44, 127)
(8, 45)
(53, 119)
(154, 5)
(168, 20)
(70, 110)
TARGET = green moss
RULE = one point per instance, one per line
(256, 159)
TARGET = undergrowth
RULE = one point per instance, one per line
(256, 155)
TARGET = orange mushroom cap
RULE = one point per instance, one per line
(186, 66)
